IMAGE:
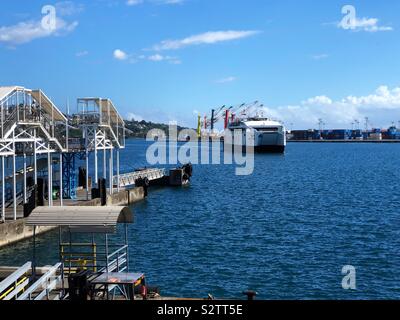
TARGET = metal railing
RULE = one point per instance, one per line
(9, 201)
(88, 118)
(9, 122)
(118, 260)
(93, 257)
(42, 288)
(37, 115)
(128, 179)
(13, 285)
(55, 129)
(102, 112)
(76, 144)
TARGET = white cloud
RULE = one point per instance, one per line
(167, 2)
(320, 56)
(132, 58)
(133, 2)
(82, 53)
(68, 8)
(120, 55)
(133, 116)
(226, 80)
(321, 100)
(364, 24)
(158, 58)
(211, 37)
(171, 1)
(28, 31)
(382, 107)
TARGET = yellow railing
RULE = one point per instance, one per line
(12, 288)
(79, 260)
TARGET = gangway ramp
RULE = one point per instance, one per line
(129, 179)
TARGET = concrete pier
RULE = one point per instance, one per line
(14, 231)
(39, 159)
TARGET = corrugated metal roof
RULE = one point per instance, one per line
(77, 216)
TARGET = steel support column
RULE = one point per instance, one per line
(111, 172)
(118, 188)
(14, 181)
(61, 180)
(49, 181)
(35, 158)
(25, 186)
(96, 176)
(87, 162)
(3, 190)
(87, 174)
(105, 164)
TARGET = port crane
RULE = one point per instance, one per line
(245, 111)
(226, 114)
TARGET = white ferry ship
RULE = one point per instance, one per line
(269, 135)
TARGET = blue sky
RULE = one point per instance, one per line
(165, 60)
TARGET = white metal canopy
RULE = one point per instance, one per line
(77, 216)
(39, 96)
(5, 91)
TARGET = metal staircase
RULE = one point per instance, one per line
(9, 201)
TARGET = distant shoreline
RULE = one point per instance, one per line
(296, 141)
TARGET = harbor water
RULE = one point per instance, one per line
(286, 231)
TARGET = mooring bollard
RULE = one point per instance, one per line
(250, 294)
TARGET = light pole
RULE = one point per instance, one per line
(366, 124)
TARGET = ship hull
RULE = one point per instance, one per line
(269, 149)
(270, 142)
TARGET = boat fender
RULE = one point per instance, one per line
(143, 292)
(188, 168)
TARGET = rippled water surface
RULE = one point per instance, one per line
(286, 231)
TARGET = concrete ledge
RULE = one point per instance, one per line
(13, 231)
(126, 197)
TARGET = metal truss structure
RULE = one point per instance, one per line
(104, 130)
(32, 126)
